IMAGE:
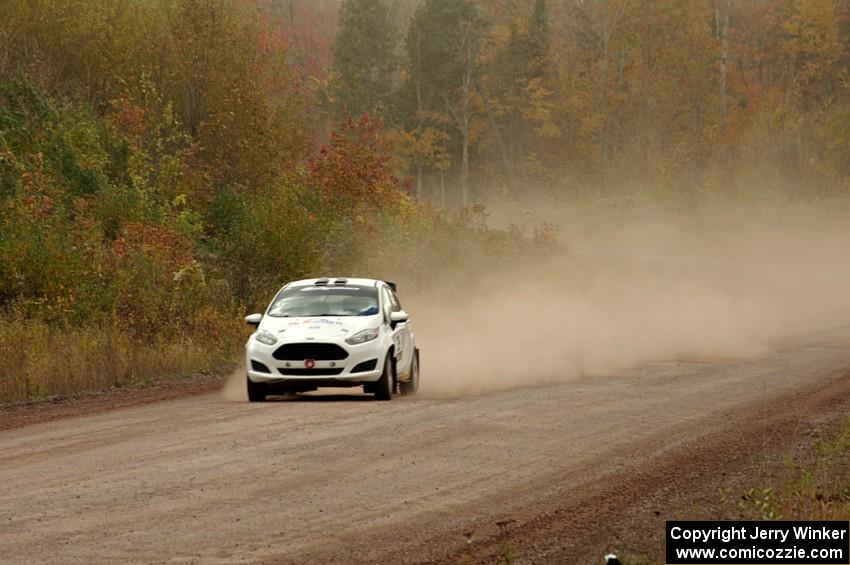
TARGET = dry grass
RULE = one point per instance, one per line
(37, 360)
(813, 484)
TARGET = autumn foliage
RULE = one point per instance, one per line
(353, 171)
(166, 165)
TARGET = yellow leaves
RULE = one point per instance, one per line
(128, 117)
(426, 146)
(548, 130)
(540, 108)
(815, 43)
(191, 275)
(406, 210)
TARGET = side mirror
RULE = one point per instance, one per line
(253, 319)
(398, 317)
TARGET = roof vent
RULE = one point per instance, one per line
(341, 281)
(323, 280)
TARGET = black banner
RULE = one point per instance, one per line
(758, 543)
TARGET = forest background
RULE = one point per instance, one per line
(166, 165)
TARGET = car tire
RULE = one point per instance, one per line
(385, 385)
(256, 391)
(411, 386)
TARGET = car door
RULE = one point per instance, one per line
(405, 350)
(395, 330)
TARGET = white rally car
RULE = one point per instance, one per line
(332, 332)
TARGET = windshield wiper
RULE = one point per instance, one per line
(328, 315)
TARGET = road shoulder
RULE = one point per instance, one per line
(18, 415)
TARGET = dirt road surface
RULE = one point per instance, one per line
(337, 478)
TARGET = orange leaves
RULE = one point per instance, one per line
(155, 279)
(161, 245)
(37, 200)
(815, 43)
(353, 171)
(128, 117)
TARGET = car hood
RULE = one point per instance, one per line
(317, 327)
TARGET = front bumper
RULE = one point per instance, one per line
(321, 372)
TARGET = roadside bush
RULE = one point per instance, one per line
(124, 257)
(271, 239)
(815, 487)
(39, 359)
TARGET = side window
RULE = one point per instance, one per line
(386, 304)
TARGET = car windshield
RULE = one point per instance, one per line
(325, 300)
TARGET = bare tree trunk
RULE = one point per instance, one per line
(467, 79)
(506, 160)
(722, 26)
(647, 103)
(291, 12)
(418, 111)
(442, 191)
(600, 16)
(462, 119)
(418, 73)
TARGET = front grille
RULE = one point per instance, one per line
(316, 351)
(365, 366)
(310, 372)
(259, 367)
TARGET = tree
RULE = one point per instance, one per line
(365, 60)
(537, 41)
(423, 147)
(515, 87)
(816, 47)
(721, 24)
(441, 52)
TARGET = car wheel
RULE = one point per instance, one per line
(256, 391)
(384, 386)
(409, 387)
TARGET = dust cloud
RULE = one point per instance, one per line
(234, 387)
(633, 286)
(636, 286)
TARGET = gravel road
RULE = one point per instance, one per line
(341, 478)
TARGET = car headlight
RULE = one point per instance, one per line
(362, 337)
(265, 337)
